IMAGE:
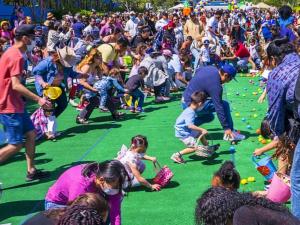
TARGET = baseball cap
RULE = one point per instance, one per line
(25, 30)
(230, 70)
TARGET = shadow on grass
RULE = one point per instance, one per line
(220, 135)
(172, 184)
(20, 156)
(20, 208)
(213, 160)
(53, 176)
(151, 109)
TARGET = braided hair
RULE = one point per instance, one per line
(80, 215)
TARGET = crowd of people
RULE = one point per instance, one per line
(113, 62)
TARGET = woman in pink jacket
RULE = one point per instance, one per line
(107, 178)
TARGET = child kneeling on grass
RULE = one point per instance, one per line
(133, 85)
(132, 160)
(188, 132)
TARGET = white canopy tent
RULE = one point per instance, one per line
(263, 5)
(179, 6)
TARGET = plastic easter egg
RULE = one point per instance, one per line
(249, 127)
(237, 114)
(255, 115)
(264, 141)
(244, 181)
(258, 131)
(243, 119)
(251, 179)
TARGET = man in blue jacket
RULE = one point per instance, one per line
(210, 79)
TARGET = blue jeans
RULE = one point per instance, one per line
(205, 113)
(295, 182)
(137, 95)
(196, 55)
(52, 205)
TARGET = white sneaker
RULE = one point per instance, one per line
(237, 137)
(73, 103)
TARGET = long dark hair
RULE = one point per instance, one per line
(110, 170)
(217, 205)
(279, 48)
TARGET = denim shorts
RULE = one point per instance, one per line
(15, 126)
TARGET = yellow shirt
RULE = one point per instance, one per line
(108, 52)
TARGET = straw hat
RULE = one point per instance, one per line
(67, 56)
(52, 92)
(4, 22)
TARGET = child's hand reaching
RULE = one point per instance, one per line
(153, 159)
(155, 187)
(258, 152)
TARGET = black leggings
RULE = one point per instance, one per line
(158, 89)
(93, 103)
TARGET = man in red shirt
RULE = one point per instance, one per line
(13, 116)
(240, 56)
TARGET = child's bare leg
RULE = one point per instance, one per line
(204, 141)
(187, 151)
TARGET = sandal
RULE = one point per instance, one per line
(37, 175)
(80, 120)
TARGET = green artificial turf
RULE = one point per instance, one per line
(102, 139)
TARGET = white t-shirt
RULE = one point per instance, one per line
(204, 54)
(212, 23)
(131, 27)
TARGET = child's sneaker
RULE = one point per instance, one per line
(166, 98)
(103, 109)
(214, 148)
(139, 110)
(203, 151)
(177, 157)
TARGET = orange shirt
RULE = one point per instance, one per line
(11, 64)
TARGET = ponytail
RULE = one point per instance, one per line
(110, 170)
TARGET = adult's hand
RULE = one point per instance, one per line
(45, 85)
(44, 103)
(229, 134)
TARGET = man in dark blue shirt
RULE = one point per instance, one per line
(78, 27)
(210, 80)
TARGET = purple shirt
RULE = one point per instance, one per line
(287, 32)
(72, 183)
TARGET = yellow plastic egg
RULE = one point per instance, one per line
(251, 179)
(244, 181)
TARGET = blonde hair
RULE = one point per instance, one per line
(114, 72)
(89, 58)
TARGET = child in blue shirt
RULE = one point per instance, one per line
(188, 132)
(105, 85)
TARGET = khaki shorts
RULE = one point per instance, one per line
(191, 141)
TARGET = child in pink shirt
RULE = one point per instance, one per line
(106, 178)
